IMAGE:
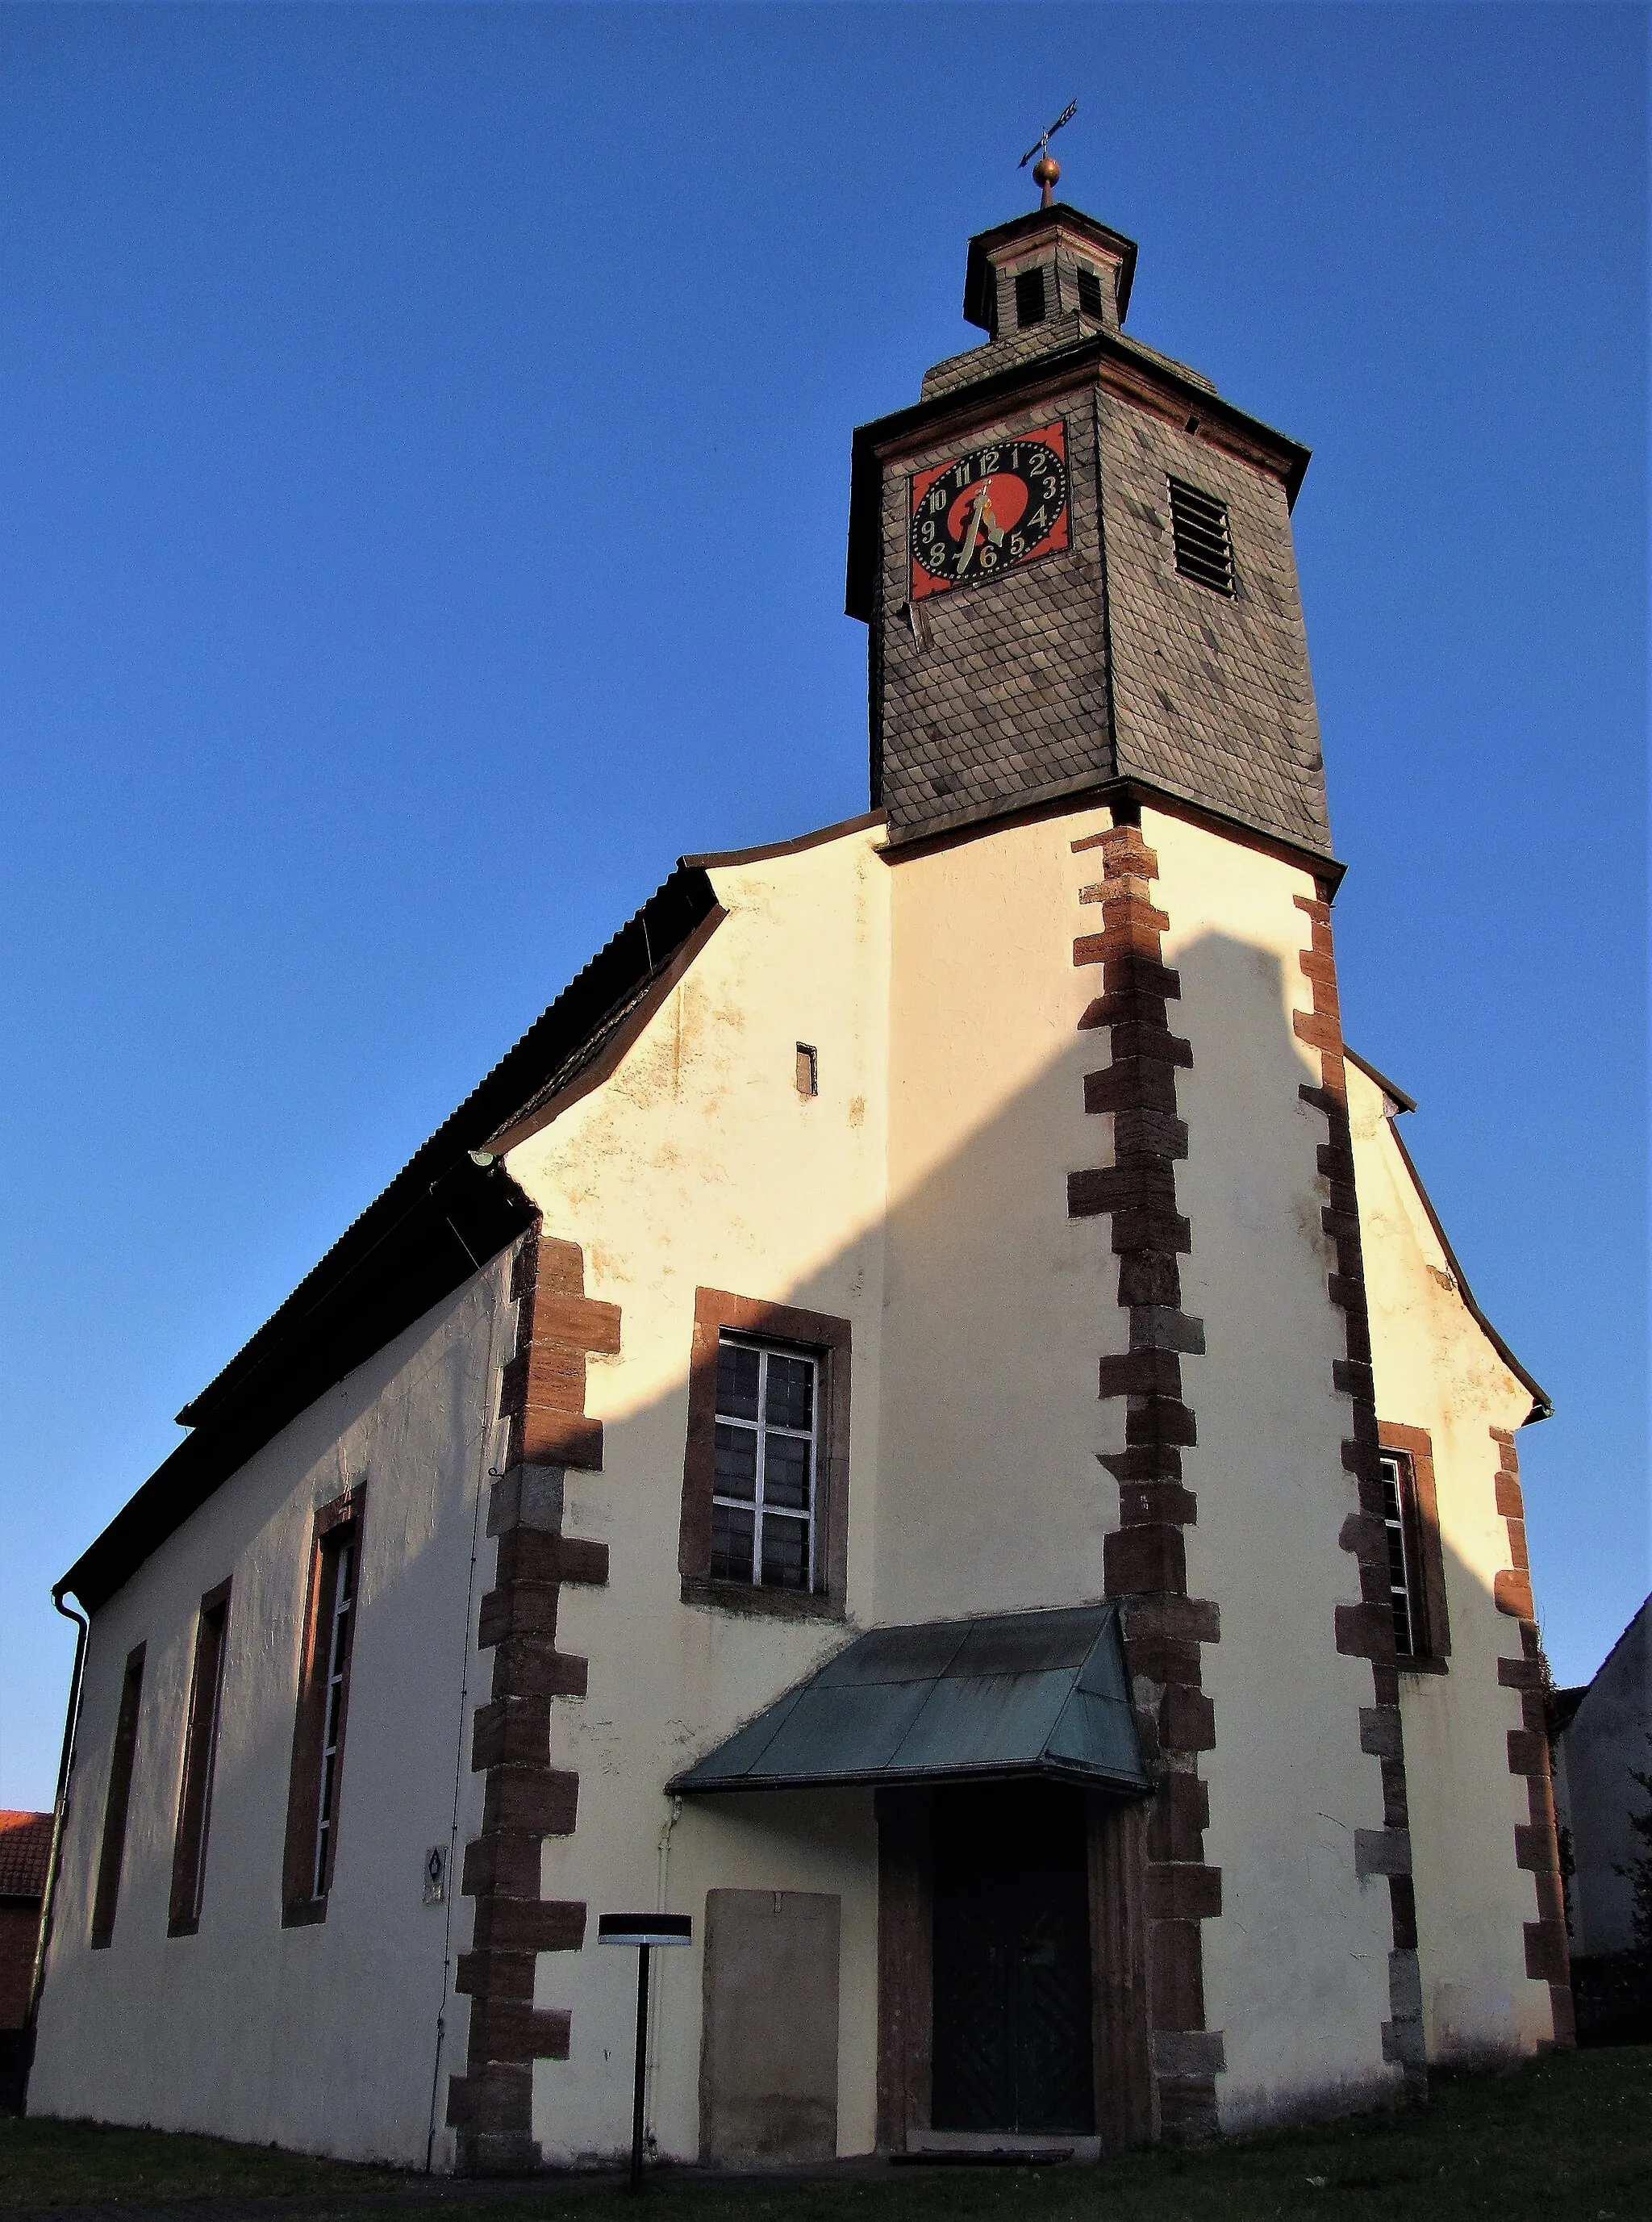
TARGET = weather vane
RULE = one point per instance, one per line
(1047, 169)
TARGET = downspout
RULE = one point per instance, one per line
(65, 1761)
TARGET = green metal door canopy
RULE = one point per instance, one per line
(1042, 1693)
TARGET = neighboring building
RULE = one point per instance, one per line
(25, 1855)
(1602, 1752)
(921, 1416)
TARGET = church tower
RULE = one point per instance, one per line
(1074, 560)
(1089, 687)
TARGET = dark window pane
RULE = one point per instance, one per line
(731, 1544)
(1399, 1574)
(736, 1462)
(786, 1471)
(786, 1553)
(1030, 297)
(737, 1381)
(790, 1392)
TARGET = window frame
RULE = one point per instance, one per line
(200, 1760)
(762, 1429)
(791, 1332)
(326, 1661)
(1411, 1451)
(117, 1799)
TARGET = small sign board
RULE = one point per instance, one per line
(435, 1874)
(645, 1929)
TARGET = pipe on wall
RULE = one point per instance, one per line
(59, 1803)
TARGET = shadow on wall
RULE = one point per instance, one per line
(997, 1308)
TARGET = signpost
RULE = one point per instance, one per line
(644, 1930)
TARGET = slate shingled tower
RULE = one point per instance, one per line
(1163, 646)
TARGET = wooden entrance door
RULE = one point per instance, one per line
(1011, 1966)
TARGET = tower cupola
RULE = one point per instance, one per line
(1075, 556)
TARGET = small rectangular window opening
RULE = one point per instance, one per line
(116, 1799)
(1089, 292)
(808, 1070)
(1402, 1574)
(1030, 297)
(764, 1487)
(1199, 527)
(200, 1759)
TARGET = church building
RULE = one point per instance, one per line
(922, 1417)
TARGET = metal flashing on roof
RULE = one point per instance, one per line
(1027, 1693)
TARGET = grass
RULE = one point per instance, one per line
(50, 2163)
(1568, 2139)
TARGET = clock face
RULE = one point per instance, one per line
(987, 512)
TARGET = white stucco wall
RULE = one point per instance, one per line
(999, 1305)
(982, 1310)
(1296, 1968)
(699, 1165)
(922, 1195)
(1436, 1370)
(323, 2038)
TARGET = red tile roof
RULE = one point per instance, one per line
(25, 1847)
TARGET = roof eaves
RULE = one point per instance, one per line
(645, 940)
(448, 1210)
(1542, 1407)
(1391, 1089)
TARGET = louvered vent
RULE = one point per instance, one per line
(1199, 523)
(1089, 292)
(1030, 297)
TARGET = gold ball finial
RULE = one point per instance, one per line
(1046, 170)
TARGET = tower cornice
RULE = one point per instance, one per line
(1134, 373)
(1060, 215)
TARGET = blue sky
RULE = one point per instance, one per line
(424, 477)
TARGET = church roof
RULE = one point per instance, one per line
(25, 1852)
(442, 1216)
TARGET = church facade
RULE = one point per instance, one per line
(921, 1416)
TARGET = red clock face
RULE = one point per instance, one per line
(985, 513)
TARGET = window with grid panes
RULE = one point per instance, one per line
(338, 1599)
(1396, 1515)
(763, 1489)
